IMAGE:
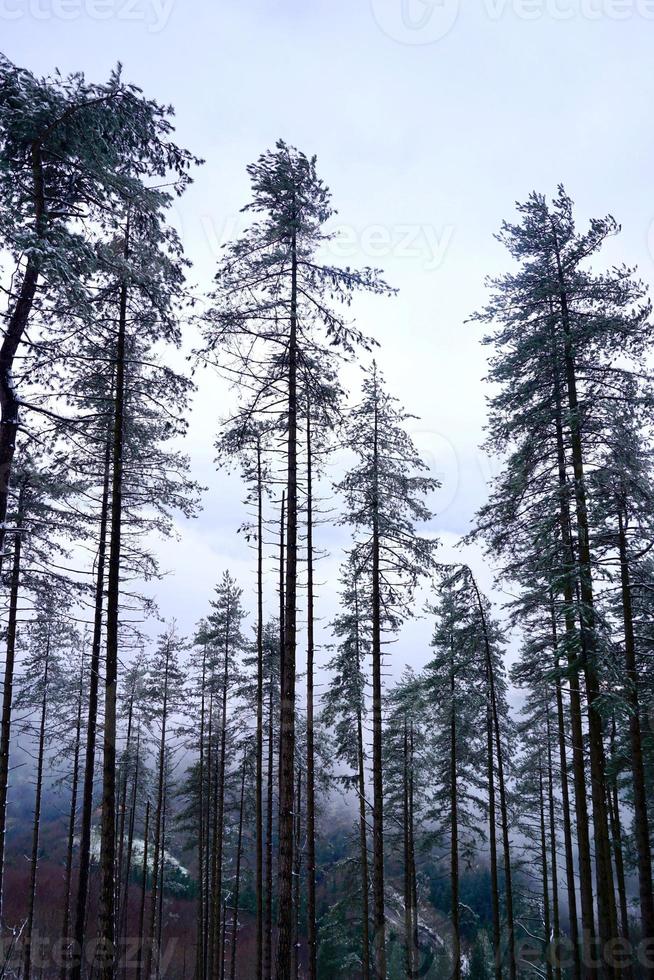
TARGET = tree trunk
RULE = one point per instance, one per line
(297, 872)
(259, 760)
(379, 914)
(567, 818)
(604, 874)
(504, 811)
(556, 916)
(547, 924)
(84, 859)
(641, 822)
(8, 691)
(363, 824)
(130, 840)
(578, 756)
(200, 963)
(454, 835)
(311, 800)
(408, 890)
(237, 884)
(106, 938)
(492, 837)
(34, 863)
(219, 817)
(158, 825)
(267, 947)
(144, 886)
(72, 815)
(287, 718)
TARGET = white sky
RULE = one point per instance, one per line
(429, 120)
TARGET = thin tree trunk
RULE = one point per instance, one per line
(34, 863)
(158, 825)
(267, 947)
(567, 818)
(408, 890)
(492, 837)
(259, 760)
(219, 818)
(130, 840)
(237, 884)
(106, 951)
(504, 811)
(297, 871)
(200, 960)
(379, 914)
(412, 862)
(122, 808)
(363, 826)
(72, 816)
(556, 916)
(312, 942)
(547, 923)
(454, 834)
(8, 688)
(84, 860)
(641, 822)
(287, 718)
(144, 885)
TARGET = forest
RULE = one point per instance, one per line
(275, 795)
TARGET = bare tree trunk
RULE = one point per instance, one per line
(158, 826)
(106, 938)
(200, 963)
(363, 823)
(492, 837)
(259, 760)
(84, 859)
(122, 808)
(567, 818)
(641, 822)
(72, 816)
(130, 840)
(556, 917)
(379, 913)
(363, 849)
(312, 939)
(144, 886)
(8, 689)
(408, 890)
(454, 834)
(267, 948)
(547, 923)
(34, 862)
(297, 872)
(287, 719)
(237, 884)
(504, 810)
(219, 819)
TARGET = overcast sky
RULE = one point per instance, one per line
(429, 119)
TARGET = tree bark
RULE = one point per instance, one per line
(311, 792)
(287, 718)
(72, 816)
(454, 834)
(152, 952)
(259, 760)
(144, 886)
(543, 857)
(641, 822)
(237, 884)
(84, 859)
(8, 688)
(106, 938)
(36, 829)
(379, 913)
